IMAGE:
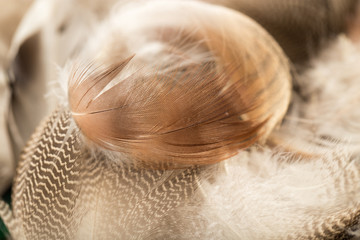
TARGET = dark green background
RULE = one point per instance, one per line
(3, 230)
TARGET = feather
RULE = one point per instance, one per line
(34, 59)
(182, 109)
(281, 195)
(76, 195)
(10, 16)
(70, 185)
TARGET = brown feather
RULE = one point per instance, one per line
(195, 111)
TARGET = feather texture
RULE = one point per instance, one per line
(196, 90)
(71, 195)
(71, 185)
(262, 193)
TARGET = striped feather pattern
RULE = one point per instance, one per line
(61, 193)
(46, 186)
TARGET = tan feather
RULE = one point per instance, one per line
(198, 110)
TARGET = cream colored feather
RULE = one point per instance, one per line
(36, 39)
(300, 178)
(10, 16)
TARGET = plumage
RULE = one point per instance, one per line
(194, 91)
(148, 65)
(76, 194)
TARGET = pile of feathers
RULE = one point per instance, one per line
(180, 119)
